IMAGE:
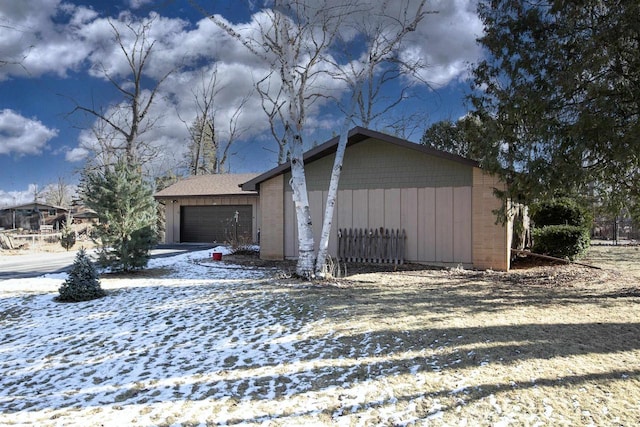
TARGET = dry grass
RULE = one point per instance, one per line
(550, 345)
(542, 345)
(43, 246)
(623, 259)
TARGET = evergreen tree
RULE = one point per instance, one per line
(68, 238)
(127, 214)
(561, 80)
(83, 283)
(465, 137)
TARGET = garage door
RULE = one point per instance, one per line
(209, 224)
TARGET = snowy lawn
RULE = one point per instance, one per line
(196, 342)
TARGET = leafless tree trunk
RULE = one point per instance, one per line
(366, 82)
(293, 41)
(209, 147)
(296, 41)
(130, 119)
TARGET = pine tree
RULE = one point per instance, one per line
(68, 238)
(202, 156)
(127, 213)
(561, 81)
(83, 283)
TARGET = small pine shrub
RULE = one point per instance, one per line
(83, 283)
(68, 238)
(561, 241)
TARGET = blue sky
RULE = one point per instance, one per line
(52, 49)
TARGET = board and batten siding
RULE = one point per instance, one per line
(435, 234)
(172, 211)
(385, 186)
(445, 207)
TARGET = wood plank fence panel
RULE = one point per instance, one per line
(382, 246)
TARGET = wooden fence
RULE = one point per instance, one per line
(375, 245)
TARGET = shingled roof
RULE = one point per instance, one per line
(208, 185)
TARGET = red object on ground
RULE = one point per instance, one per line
(217, 256)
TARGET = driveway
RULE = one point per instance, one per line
(33, 264)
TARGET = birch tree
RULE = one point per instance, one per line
(297, 40)
(293, 38)
(366, 77)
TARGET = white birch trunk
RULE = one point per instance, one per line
(332, 194)
(294, 95)
(306, 250)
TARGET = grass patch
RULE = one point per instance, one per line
(543, 345)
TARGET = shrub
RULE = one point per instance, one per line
(560, 211)
(247, 250)
(68, 238)
(561, 241)
(82, 283)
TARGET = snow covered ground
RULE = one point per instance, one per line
(208, 344)
(194, 342)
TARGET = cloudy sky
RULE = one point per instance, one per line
(54, 55)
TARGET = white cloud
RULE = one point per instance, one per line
(41, 36)
(77, 154)
(136, 4)
(17, 198)
(445, 42)
(20, 135)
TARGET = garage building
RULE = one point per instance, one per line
(210, 209)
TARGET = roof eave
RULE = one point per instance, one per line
(173, 196)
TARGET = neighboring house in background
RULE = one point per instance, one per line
(444, 202)
(31, 216)
(211, 209)
(84, 216)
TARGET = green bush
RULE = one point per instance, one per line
(561, 241)
(560, 211)
(82, 283)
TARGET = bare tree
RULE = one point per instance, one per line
(272, 105)
(130, 119)
(209, 147)
(59, 194)
(382, 30)
(296, 42)
(292, 42)
(383, 39)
